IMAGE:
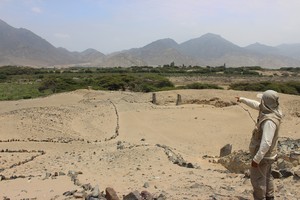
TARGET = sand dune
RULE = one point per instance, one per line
(114, 140)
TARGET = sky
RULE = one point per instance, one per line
(114, 25)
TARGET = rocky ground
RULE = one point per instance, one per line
(119, 145)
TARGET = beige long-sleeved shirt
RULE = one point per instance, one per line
(268, 127)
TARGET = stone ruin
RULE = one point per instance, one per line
(287, 164)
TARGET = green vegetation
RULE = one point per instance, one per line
(199, 70)
(290, 69)
(26, 82)
(171, 69)
(14, 91)
(287, 88)
(200, 86)
(136, 83)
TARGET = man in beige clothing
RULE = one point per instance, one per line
(263, 143)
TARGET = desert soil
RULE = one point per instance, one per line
(115, 139)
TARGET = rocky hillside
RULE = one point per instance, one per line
(213, 50)
(23, 47)
(19, 46)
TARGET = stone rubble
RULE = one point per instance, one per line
(177, 158)
(93, 193)
(286, 165)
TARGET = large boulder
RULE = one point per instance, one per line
(226, 150)
(236, 162)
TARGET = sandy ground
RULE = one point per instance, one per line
(113, 139)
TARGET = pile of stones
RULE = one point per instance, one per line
(286, 165)
(88, 192)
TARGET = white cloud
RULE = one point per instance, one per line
(36, 10)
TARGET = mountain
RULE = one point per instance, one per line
(22, 47)
(261, 48)
(122, 60)
(286, 53)
(290, 50)
(163, 51)
(91, 56)
(209, 50)
(209, 46)
(19, 46)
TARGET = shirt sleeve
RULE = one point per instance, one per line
(251, 103)
(269, 128)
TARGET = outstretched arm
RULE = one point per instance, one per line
(249, 102)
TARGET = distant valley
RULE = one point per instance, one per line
(19, 46)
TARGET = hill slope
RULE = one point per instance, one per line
(22, 47)
(19, 46)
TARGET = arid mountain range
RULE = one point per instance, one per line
(19, 46)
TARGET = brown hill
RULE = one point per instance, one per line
(22, 47)
(19, 46)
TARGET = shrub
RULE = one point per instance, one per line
(136, 83)
(49, 84)
(3, 77)
(286, 88)
(202, 86)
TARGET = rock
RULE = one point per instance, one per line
(282, 164)
(226, 150)
(288, 145)
(247, 174)
(87, 186)
(161, 196)
(72, 173)
(69, 193)
(276, 174)
(73, 176)
(146, 195)
(146, 185)
(213, 197)
(295, 163)
(295, 156)
(297, 174)
(111, 194)
(2, 177)
(77, 182)
(46, 175)
(78, 195)
(236, 162)
(61, 173)
(13, 177)
(91, 198)
(286, 173)
(133, 196)
(190, 165)
(95, 192)
(196, 185)
(120, 145)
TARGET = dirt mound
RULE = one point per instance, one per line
(217, 102)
